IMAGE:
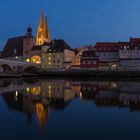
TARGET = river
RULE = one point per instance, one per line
(68, 109)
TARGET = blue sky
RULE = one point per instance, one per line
(79, 22)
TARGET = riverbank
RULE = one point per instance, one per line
(90, 73)
(74, 73)
(17, 75)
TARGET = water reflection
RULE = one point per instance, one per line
(41, 97)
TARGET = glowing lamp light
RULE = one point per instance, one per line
(27, 89)
(16, 93)
(28, 60)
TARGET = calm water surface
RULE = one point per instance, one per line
(50, 109)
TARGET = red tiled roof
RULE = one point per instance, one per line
(107, 46)
(135, 40)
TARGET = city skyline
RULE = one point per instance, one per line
(78, 23)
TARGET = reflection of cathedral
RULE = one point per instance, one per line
(41, 97)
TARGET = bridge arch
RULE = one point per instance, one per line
(6, 68)
(31, 69)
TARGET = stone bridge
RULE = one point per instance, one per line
(17, 66)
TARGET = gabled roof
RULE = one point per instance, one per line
(59, 46)
(135, 40)
(89, 54)
(107, 46)
(11, 45)
(36, 48)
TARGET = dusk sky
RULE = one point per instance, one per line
(79, 22)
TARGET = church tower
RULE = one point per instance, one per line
(43, 34)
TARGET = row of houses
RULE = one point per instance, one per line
(57, 54)
(124, 56)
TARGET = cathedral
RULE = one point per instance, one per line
(43, 34)
(28, 47)
(40, 49)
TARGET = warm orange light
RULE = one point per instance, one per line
(36, 59)
(36, 90)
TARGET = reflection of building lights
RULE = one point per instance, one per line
(81, 95)
(36, 91)
(27, 89)
(16, 57)
(16, 93)
(50, 92)
(49, 87)
(16, 96)
(50, 96)
(41, 114)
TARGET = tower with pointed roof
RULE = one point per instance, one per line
(43, 34)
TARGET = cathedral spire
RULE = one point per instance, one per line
(41, 20)
(43, 34)
(46, 23)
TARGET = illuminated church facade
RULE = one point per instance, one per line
(28, 47)
(42, 38)
(55, 54)
(43, 34)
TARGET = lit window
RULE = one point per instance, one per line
(125, 47)
(50, 58)
(49, 63)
